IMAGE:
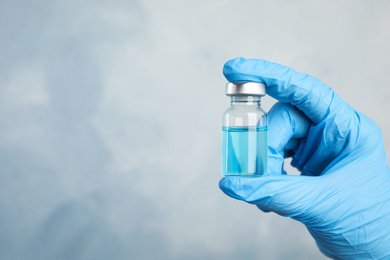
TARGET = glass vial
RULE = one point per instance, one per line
(244, 131)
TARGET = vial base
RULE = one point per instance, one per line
(244, 151)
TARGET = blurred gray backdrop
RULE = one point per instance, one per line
(110, 116)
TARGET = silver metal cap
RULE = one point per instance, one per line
(249, 88)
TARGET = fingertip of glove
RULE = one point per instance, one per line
(224, 184)
(240, 187)
(221, 182)
(241, 70)
(230, 67)
(232, 62)
(229, 186)
(264, 210)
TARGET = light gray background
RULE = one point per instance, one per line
(111, 111)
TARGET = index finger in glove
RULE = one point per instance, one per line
(307, 93)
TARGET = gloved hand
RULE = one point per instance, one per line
(343, 192)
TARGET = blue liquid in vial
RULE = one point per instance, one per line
(244, 150)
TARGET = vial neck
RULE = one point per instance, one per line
(241, 100)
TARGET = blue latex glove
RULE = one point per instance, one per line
(343, 192)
